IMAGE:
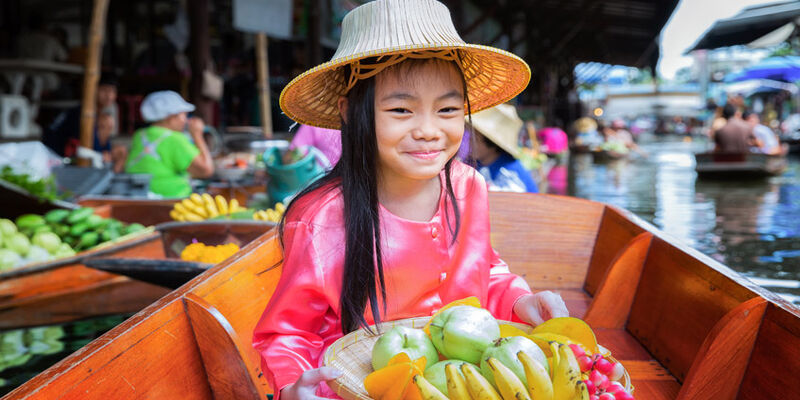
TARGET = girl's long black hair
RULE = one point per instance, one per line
(356, 174)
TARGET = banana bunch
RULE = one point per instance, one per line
(199, 208)
(469, 384)
(270, 215)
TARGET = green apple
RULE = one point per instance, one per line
(401, 339)
(505, 350)
(437, 377)
(464, 332)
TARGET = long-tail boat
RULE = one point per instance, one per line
(739, 165)
(684, 325)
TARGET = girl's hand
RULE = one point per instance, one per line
(539, 307)
(306, 387)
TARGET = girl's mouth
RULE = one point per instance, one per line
(425, 155)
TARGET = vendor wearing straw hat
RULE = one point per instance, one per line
(496, 150)
(162, 149)
(398, 228)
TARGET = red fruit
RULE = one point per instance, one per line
(607, 396)
(585, 362)
(614, 387)
(604, 384)
(590, 387)
(577, 350)
(623, 395)
(598, 379)
(604, 366)
(594, 397)
(617, 372)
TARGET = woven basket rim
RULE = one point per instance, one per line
(293, 102)
(338, 346)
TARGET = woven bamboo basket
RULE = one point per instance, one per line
(352, 354)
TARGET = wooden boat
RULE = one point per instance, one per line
(70, 289)
(66, 290)
(129, 210)
(684, 325)
(739, 165)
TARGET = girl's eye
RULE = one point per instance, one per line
(399, 110)
(449, 109)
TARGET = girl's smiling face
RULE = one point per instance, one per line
(419, 120)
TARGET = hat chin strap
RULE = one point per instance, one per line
(361, 70)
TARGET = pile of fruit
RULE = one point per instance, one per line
(481, 359)
(56, 234)
(200, 252)
(205, 207)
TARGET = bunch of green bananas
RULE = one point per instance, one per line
(271, 214)
(468, 383)
(201, 207)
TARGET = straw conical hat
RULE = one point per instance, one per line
(501, 125)
(395, 30)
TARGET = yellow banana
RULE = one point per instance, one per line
(479, 387)
(222, 205)
(196, 199)
(554, 350)
(566, 376)
(427, 390)
(193, 217)
(176, 215)
(210, 205)
(188, 204)
(200, 210)
(280, 208)
(180, 208)
(456, 386)
(583, 391)
(233, 206)
(508, 384)
(540, 386)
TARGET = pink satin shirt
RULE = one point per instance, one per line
(424, 269)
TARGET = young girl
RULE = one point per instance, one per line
(398, 228)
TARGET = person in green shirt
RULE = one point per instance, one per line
(163, 151)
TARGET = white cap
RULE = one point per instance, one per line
(157, 106)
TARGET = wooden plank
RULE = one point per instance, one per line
(720, 364)
(577, 301)
(676, 305)
(613, 299)
(616, 230)
(222, 351)
(544, 259)
(774, 366)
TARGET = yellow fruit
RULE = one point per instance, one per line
(176, 215)
(279, 207)
(427, 390)
(193, 217)
(456, 385)
(540, 386)
(233, 206)
(510, 330)
(479, 387)
(210, 205)
(575, 329)
(222, 205)
(196, 199)
(508, 384)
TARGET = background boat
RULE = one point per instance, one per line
(739, 165)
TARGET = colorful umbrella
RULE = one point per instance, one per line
(786, 69)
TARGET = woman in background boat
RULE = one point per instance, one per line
(414, 222)
(162, 149)
(766, 140)
(496, 152)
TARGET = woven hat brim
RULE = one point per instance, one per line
(493, 76)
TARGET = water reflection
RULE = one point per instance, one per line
(26, 352)
(751, 226)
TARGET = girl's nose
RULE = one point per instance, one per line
(427, 129)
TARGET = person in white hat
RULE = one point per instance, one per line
(399, 227)
(496, 150)
(162, 149)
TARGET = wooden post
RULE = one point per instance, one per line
(262, 64)
(92, 75)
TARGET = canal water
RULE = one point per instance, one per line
(751, 226)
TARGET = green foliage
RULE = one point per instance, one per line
(44, 189)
